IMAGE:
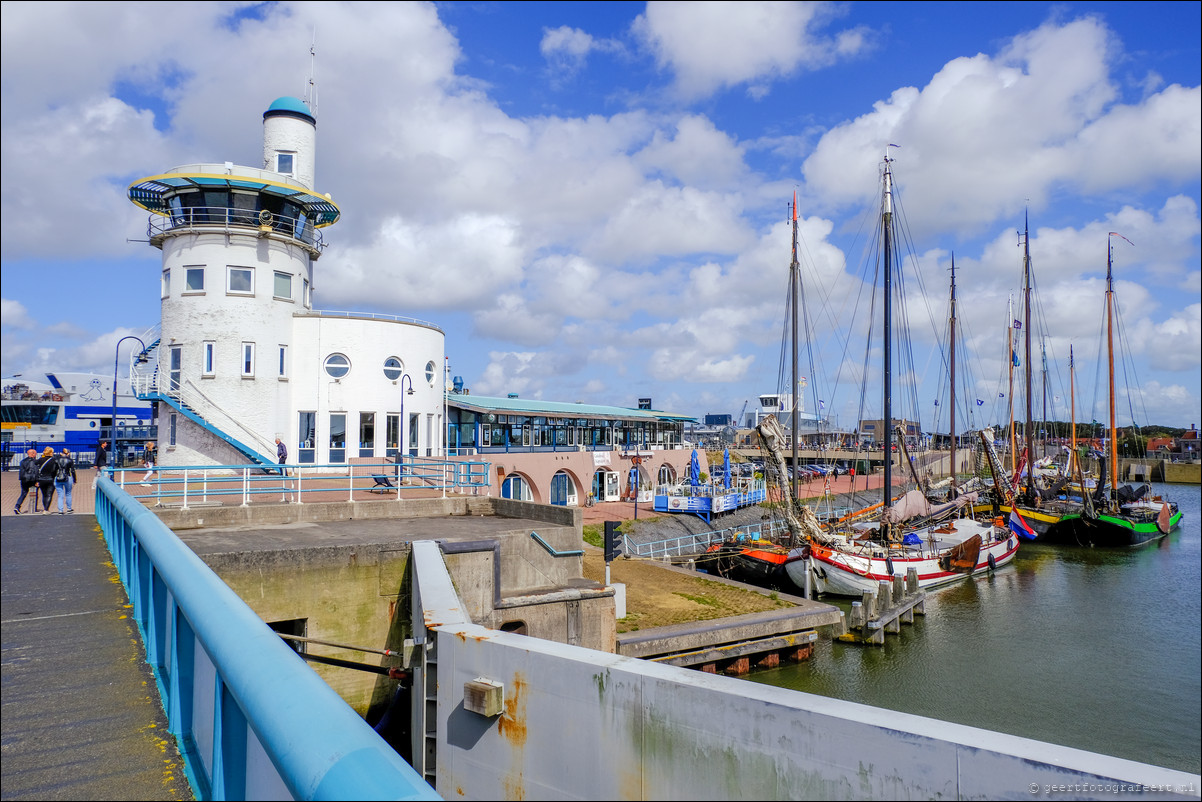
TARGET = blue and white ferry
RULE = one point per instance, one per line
(74, 410)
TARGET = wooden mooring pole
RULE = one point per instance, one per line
(894, 603)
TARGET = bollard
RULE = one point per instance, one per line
(898, 587)
(857, 615)
(911, 580)
(869, 602)
(884, 597)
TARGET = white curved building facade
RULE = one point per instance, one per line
(243, 357)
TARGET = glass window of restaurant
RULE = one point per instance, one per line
(337, 437)
(367, 434)
(307, 438)
(392, 435)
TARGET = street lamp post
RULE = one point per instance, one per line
(404, 443)
(116, 359)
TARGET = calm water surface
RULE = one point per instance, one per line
(1090, 648)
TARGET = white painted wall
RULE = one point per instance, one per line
(367, 343)
(190, 319)
(291, 135)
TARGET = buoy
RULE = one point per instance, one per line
(889, 565)
(992, 562)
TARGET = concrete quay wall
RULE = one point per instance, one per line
(579, 724)
(339, 573)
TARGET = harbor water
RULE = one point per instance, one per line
(1089, 648)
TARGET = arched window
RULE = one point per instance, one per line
(563, 490)
(515, 487)
(337, 366)
(393, 368)
(430, 373)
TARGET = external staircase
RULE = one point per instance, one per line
(148, 385)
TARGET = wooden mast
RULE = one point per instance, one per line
(952, 349)
(1027, 438)
(1114, 470)
(886, 240)
(1072, 395)
(1010, 389)
(794, 393)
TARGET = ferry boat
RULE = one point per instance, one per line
(72, 410)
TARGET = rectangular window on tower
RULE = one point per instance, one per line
(283, 286)
(305, 292)
(283, 362)
(207, 356)
(194, 279)
(248, 360)
(166, 282)
(241, 281)
(283, 163)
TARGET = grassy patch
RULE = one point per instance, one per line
(630, 623)
(594, 535)
(708, 601)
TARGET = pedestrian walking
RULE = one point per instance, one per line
(28, 473)
(148, 464)
(47, 469)
(102, 459)
(281, 453)
(64, 479)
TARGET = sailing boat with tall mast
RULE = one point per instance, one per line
(1118, 517)
(908, 532)
(1036, 509)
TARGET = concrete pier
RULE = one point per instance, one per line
(81, 714)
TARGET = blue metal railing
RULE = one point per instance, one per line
(252, 720)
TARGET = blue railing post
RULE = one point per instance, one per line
(198, 631)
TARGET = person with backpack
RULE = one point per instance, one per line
(64, 479)
(47, 469)
(28, 473)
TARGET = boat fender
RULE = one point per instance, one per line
(889, 565)
(992, 562)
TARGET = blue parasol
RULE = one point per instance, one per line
(694, 470)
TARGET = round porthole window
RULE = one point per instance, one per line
(337, 366)
(393, 368)
(430, 373)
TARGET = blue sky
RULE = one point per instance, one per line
(591, 198)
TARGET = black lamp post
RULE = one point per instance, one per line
(116, 358)
(404, 443)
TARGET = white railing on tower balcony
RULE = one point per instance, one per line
(206, 218)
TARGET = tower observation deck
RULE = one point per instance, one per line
(276, 200)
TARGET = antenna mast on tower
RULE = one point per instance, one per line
(311, 89)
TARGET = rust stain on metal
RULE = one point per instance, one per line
(512, 723)
(514, 788)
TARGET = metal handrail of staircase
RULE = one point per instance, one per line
(146, 384)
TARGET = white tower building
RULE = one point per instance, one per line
(243, 357)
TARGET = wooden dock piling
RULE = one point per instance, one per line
(894, 603)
